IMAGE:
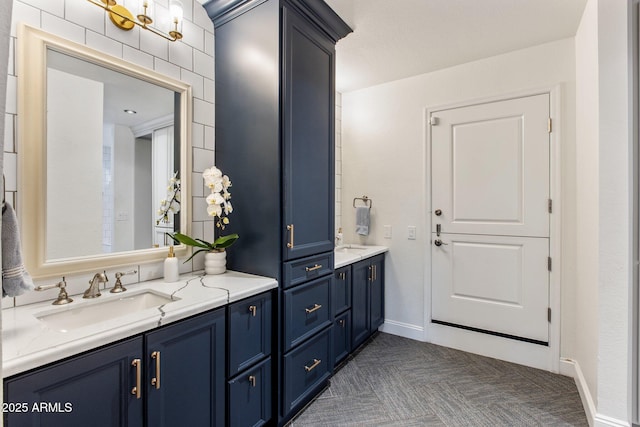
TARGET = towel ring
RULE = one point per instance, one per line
(367, 201)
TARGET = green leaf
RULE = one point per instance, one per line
(225, 241)
(194, 254)
(186, 240)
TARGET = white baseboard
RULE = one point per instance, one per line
(405, 330)
(571, 368)
(605, 421)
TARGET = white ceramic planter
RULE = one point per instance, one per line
(215, 262)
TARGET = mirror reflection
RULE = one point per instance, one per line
(112, 150)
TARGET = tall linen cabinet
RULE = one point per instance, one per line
(275, 127)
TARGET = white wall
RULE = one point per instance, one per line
(123, 189)
(585, 297)
(190, 60)
(615, 228)
(383, 146)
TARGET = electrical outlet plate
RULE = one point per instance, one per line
(387, 231)
(411, 232)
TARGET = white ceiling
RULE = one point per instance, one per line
(401, 38)
(394, 39)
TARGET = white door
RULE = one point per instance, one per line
(490, 217)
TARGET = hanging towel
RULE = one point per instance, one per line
(362, 220)
(15, 279)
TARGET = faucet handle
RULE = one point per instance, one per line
(63, 297)
(117, 288)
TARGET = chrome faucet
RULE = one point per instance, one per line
(94, 285)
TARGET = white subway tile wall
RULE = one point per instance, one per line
(190, 60)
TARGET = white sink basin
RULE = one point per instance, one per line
(99, 311)
(351, 249)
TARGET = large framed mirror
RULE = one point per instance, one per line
(103, 149)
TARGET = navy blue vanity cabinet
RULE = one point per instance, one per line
(99, 388)
(275, 131)
(341, 294)
(171, 376)
(367, 299)
(185, 372)
(249, 387)
(307, 310)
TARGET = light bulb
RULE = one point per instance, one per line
(175, 10)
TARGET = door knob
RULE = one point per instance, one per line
(438, 212)
(439, 242)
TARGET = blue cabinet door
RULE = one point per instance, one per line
(250, 396)
(341, 337)
(308, 137)
(341, 292)
(376, 293)
(185, 375)
(360, 307)
(94, 389)
(249, 334)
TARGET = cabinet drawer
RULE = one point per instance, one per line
(341, 337)
(306, 368)
(307, 309)
(249, 332)
(341, 291)
(304, 269)
(250, 396)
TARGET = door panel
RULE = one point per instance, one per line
(491, 168)
(494, 283)
(490, 192)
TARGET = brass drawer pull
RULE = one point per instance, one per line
(342, 275)
(137, 390)
(315, 307)
(252, 380)
(290, 229)
(316, 362)
(341, 322)
(314, 268)
(156, 381)
(375, 273)
(253, 309)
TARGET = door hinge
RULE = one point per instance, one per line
(550, 206)
(549, 263)
(550, 125)
(433, 121)
(549, 314)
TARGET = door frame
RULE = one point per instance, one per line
(537, 356)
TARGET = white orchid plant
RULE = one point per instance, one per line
(172, 203)
(218, 206)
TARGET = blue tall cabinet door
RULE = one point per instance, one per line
(308, 137)
(185, 375)
(94, 390)
(361, 308)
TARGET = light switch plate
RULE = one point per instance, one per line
(387, 231)
(411, 232)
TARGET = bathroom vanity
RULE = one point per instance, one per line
(169, 364)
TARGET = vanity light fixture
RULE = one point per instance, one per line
(122, 18)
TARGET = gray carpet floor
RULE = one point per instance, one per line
(394, 381)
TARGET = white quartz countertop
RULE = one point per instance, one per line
(348, 254)
(28, 342)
